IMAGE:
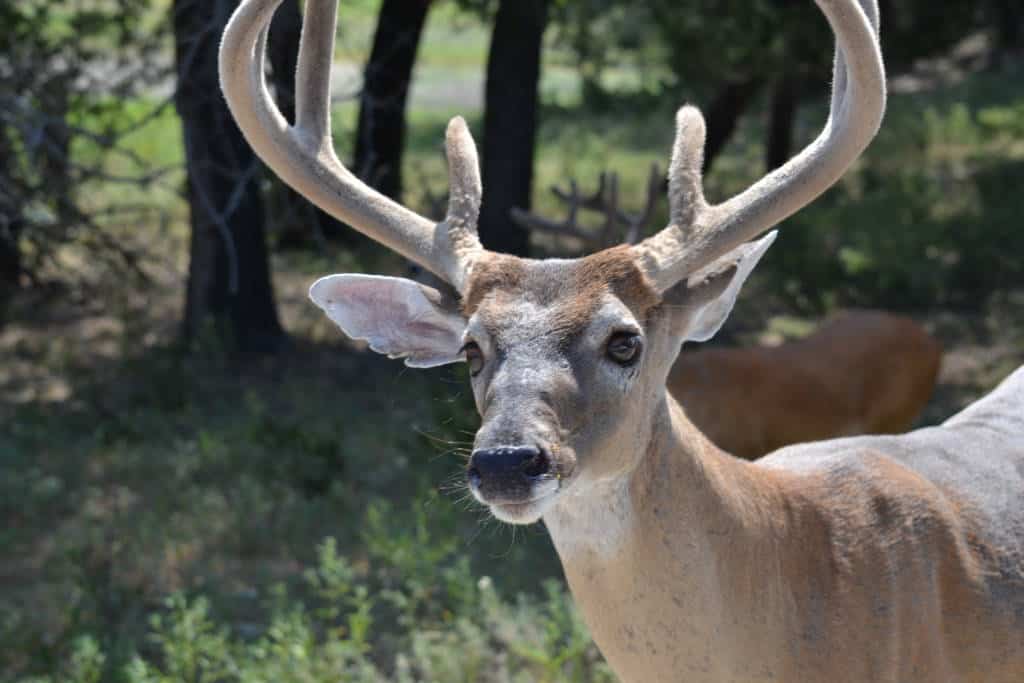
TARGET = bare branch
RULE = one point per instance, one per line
(618, 226)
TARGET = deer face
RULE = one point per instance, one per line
(567, 358)
(560, 356)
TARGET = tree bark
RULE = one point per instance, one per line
(1010, 25)
(10, 231)
(380, 136)
(229, 290)
(510, 121)
(785, 97)
(724, 113)
(10, 261)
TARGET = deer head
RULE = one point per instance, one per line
(568, 358)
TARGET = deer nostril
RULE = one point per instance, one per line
(538, 465)
(473, 477)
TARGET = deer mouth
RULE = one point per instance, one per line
(524, 512)
(523, 506)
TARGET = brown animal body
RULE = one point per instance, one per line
(870, 558)
(861, 372)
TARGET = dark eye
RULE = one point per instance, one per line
(475, 357)
(624, 347)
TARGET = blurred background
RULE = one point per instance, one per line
(202, 480)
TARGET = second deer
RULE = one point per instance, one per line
(861, 372)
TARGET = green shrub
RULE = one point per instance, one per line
(380, 622)
(930, 217)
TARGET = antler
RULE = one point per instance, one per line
(618, 227)
(698, 233)
(303, 154)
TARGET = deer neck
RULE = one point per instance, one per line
(678, 559)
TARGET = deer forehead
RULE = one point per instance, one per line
(559, 299)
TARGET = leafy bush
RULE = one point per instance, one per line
(930, 218)
(446, 627)
(69, 103)
(163, 525)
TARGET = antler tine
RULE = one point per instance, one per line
(569, 226)
(699, 233)
(303, 154)
(574, 201)
(604, 201)
(312, 73)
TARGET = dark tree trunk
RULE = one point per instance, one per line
(52, 161)
(10, 254)
(10, 260)
(380, 136)
(229, 289)
(781, 116)
(283, 55)
(1010, 25)
(510, 121)
(10, 232)
(724, 113)
(303, 222)
(55, 162)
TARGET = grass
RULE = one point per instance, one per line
(162, 475)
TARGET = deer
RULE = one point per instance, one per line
(861, 372)
(865, 558)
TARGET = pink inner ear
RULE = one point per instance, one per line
(394, 315)
(361, 293)
(396, 304)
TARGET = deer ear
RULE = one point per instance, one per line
(706, 298)
(398, 317)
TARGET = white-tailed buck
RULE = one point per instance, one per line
(861, 372)
(884, 558)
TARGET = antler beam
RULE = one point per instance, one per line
(303, 154)
(698, 232)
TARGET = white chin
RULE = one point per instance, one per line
(521, 513)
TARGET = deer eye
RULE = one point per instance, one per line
(474, 357)
(624, 347)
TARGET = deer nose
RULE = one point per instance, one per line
(506, 469)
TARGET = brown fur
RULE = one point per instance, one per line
(576, 294)
(862, 372)
(490, 273)
(738, 573)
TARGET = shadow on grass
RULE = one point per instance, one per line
(161, 472)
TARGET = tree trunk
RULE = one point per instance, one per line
(1010, 26)
(510, 121)
(10, 260)
(229, 289)
(724, 113)
(380, 136)
(10, 231)
(782, 114)
(302, 221)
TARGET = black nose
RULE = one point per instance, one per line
(507, 468)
